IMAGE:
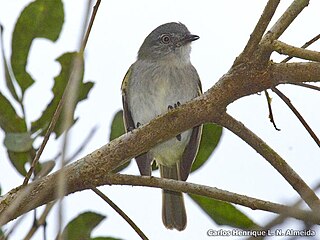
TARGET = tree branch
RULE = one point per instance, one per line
(296, 72)
(274, 159)
(86, 172)
(211, 192)
(292, 51)
(259, 30)
(120, 212)
(307, 44)
(307, 86)
(298, 115)
(286, 19)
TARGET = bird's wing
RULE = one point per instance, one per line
(190, 152)
(143, 160)
(127, 117)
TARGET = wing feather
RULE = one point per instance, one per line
(143, 160)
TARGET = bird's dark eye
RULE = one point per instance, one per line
(165, 38)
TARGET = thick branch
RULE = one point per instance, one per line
(296, 72)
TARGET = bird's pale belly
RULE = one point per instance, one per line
(147, 106)
(170, 152)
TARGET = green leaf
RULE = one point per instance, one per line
(18, 142)
(223, 213)
(60, 83)
(117, 126)
(9, 120)
(40, 19)
(13, 125)
(7, 75)
(117, 129)
(211, 134)
(19, 159)
(80, 228)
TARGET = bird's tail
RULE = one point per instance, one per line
(173, 209)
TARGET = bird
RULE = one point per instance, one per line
(161, 79)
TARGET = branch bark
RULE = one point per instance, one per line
(292, 51)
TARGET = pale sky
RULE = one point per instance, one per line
(119, 29)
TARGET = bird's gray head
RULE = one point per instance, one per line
(168, 41)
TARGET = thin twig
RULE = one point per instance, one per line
(283, 48)
(41, 221)
(298, 115)
(173, 185)
(70, 104)
(307, 44)
(7, 233)
(280, 218)
(307, 86)
(270, 110)
(306, 193)
(86, 37)
(57, 112)
(120, 212)
(46, 137)
(82, 146)
(287, 100)
(260, 28)
(211, 192)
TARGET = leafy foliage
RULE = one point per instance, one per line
(60, 83)
(7, 72)
(211, 134)
(117, 129)
(223, 213)
(40, 19)
(15, 129)
(18, 142)
(9, 119)
(117, 126)
(80, 228)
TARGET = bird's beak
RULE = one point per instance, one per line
(187, 39)
(191, 37)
